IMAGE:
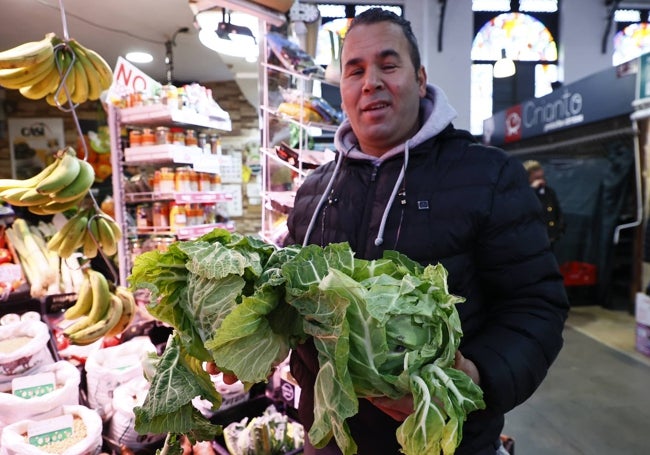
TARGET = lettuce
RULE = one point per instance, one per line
(386, 327)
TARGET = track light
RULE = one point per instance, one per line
(218, 33)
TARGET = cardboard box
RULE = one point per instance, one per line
(642, 315)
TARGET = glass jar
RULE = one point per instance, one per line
(190, 138)
(163, 135)
(148, 137)
(177, 215)
(167, 180)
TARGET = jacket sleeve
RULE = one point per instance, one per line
(523, 291)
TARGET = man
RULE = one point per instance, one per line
(405, 179)
(550, 203)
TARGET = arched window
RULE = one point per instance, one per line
(631, 42)
(528, 41)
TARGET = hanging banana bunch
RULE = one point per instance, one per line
(62, 185)
(53, 69)
(89, 229)
(99, 310)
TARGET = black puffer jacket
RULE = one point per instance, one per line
(470, 208)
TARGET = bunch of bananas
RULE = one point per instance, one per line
(39, 69)
(99, 311)
(89, 229)
(60, 186)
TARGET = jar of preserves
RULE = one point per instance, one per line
(190, 138)
(135, 138)
(178, 136)
(160, 214)
(182, 180)
(148, 137)
(163, 135)
(167, 180)
(177, 215)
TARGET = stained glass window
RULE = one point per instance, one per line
(524, 38)
(631, 42)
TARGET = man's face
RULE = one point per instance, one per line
(380, 89)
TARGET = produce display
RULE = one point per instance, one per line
(386, 327)
(99, 311)
(62, 185)
(56, 70)
(89, 229)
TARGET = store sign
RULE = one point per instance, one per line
(128, 79)
(603, 95)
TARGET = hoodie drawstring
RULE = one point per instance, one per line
(382, 226)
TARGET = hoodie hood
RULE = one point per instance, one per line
(435, 113)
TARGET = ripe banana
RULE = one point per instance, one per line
(129, 310)
(91, 239)
(66, 171)
(65, 90)
(84, 301)
(52, 207)
(12, 195)
(79, 186)
(94, 83)
(75, 234)
(100, 328)
(30, 182)
(101, 66)
(101, 295)
(54, 242)
(48, 84)
(33, 197)
(27, 75)
(80, 93)
(28, 53)
(106, 236)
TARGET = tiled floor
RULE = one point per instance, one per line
(596, 398)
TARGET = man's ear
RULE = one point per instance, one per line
(421, 77)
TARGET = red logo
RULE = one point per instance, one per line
(513, 124)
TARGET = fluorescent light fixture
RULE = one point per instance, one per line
(139, 57)
(504, 67)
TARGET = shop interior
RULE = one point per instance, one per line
(239, 104)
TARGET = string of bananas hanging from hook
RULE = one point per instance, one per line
(56, 70)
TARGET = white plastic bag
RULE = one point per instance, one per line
(110, 367)
(13, 439)
(67, 378)
(121, 429)
(27, 357)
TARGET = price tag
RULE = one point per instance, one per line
(34, 385)
(44, 432)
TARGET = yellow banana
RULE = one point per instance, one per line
(33, 197)
(64, 91)
(53, 207)
(129, 310)
(101, 66)
(48, 84)
(25, 76)
(106, 237)
(55, 241)
(62, 176)
(100, 328)
(28, 53)
(79, 324)
(80, 93)
(30, 182)
(84, 301)
(92, 76)
(75, 235)
(101, 295)
(12, 195)
(91, 240)
(117, 232)
(79, 186)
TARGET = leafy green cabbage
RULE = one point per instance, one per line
(387, 327)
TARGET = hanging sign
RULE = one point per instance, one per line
(129, 79)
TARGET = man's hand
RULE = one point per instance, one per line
(401, 408)
(467, 366)
(212, 368)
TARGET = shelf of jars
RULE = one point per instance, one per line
(147, 155)
(196, 197)
(164, 114)
(183, 232)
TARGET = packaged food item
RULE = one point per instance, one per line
(292, 56)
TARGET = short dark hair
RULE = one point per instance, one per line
(376, 15)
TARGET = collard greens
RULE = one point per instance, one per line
(386, 327)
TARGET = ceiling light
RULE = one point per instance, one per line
(504, 67)
(139, 57)
(226, 37)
